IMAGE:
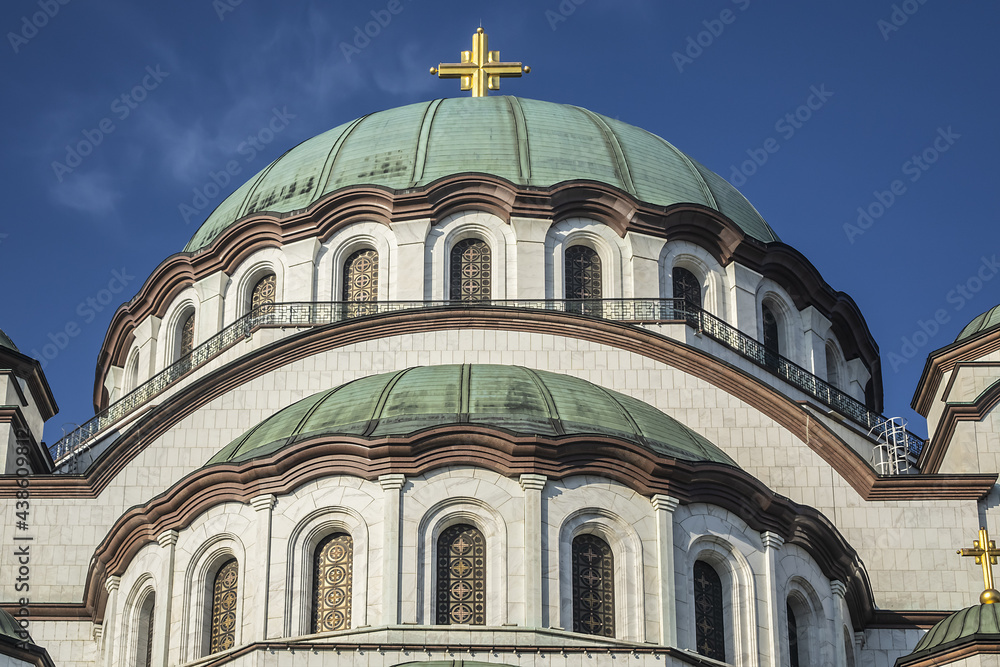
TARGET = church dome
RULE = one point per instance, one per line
(978, 623)
(527, 142)
(513, 398)
(984, 321)
(6, 342)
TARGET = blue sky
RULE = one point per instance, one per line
(716, 78)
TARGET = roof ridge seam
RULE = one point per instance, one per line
(625, 171)
(423, 138)
(326, 173)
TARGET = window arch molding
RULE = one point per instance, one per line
(239, 290)
(299, 585)
(732, 564)
(199, 580)
(457, 227)
(710, 274)
(787, 317)
(626, 547)
(174, 330)
(131, 633)
(814, 644)
(483, 517)
(344, 243)
(598, 237)
(131, 378)
(836, 367)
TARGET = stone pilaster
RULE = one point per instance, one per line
(772, 547)
(664, 507)
(532, 486)
(111, 585)
(164, 599)
(262, 505)
(839, 591)
(392, 484)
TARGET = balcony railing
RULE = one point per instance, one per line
(635, 311)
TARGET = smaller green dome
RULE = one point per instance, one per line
(987, 320)
(981, 622)
(10, 628)
(516, 399)
(5, 341)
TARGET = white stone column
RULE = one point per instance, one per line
(532, 486)
(164, 598)
(210, 317)
(300, 281)
(111, 585)
(645, 265)
(839, 591)
(664, 507)
(743, 284)
(407, 278)
(772, 546)
(262, 505)
(814, 327)
(145, 339)
(391, 486)
(530, 234)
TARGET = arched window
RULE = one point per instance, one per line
(144, 627)
(793, 637)
(593, 586)
(832, 367)
(332, 580)
(848, 647)
(471, 271)
(222, 635)
(772, 346)
(709, 622)
(262, 296)
(461, 576)
(186, 336)
(132, 374)
(361, 276)
(583, 273)
(686, 286)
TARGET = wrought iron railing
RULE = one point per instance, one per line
(636, 311)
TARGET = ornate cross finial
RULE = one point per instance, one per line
(480, 69)
(985, 552)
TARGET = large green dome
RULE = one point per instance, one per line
(984, 321)
(527, 142)
(513, 398)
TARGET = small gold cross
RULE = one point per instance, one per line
(985, 551)
(480, 69)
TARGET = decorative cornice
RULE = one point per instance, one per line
(112, 583)
(263, 503)
(949, 420)
(664, 503)
(795, 418)
(167, 538)
(772, 540)
(392, 481)
(702, 225)
(532, 482)
(941, 361)
(30, 370)
(838, 588)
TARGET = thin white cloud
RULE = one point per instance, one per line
(93, 193)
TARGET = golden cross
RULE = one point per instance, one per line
(985, 552)
(480, 69)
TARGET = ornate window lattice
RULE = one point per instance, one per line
(461, 574)
(793, 637)
(187, 336)
(262, 297)
(772, 348)
(709, 624)
(223, 627)
(332, 580)
(686, 286)
(583, 273)
(471, 271)
(361, 276)
(593, 586)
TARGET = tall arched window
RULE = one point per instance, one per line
(793, 637)
(144, 627)
(593, 586)
(262, 296)
(361, 276)
(132, 373)
(772, 345)
(848, 647)
(686, 286)
(583, 273)
(471, 271)
(709, 621)
(222, 634)
(461, 576)
(832, 367)
(332, 580)
(186, 336)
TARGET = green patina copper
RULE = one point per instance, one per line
(10, 629)
(987, 320)
(527, 142)
(513, 398)
(978, 623)
(5, 341)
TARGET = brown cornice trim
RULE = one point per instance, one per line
(972, 646)
(887, 619)
(788, 413)
(945, 359)
(38, 455)
(28, 653)
(54, 611)
(30, 370)
(933, 456)
(957, 370)
(704, 226)
(932, 487)
(628, 463)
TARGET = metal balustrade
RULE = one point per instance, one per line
(634, 311)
